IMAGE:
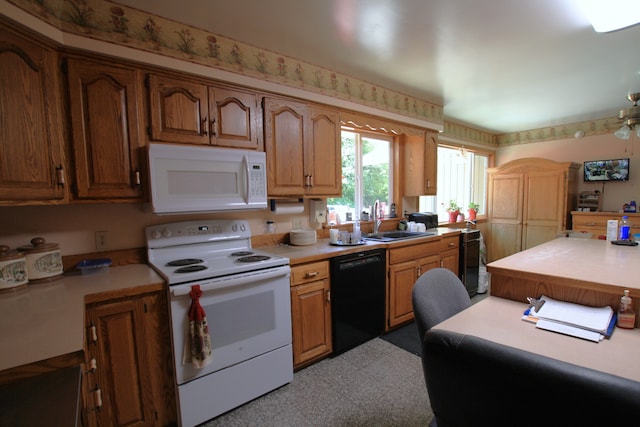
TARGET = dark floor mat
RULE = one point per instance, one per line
(405, 337)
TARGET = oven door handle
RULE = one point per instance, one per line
(235, 280)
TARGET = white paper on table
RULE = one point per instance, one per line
(562, 328)
(595, 319)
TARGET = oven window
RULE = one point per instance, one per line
(241, 318)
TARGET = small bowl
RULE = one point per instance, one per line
(637, 237)
(92, 266)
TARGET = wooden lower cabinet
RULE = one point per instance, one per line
(596, 222)
(406, 264)
(450, 253)
(310, 312)
(129, 371)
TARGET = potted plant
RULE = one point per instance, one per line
(453, 209)
(473, 210)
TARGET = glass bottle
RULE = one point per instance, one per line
(625, 228)
(626, 315)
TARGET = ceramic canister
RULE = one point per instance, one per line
(43, 259)
(13, 269)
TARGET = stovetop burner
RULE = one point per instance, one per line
(191, 269)
(184, 261)
(241, 253)
(253, 258)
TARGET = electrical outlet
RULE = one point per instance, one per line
(296, 223)
(101, 239)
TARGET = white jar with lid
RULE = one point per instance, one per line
(44, 261)
(13, 270)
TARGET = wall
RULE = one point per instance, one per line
(74, 226)
(596, 147)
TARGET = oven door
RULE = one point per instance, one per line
(248, 314)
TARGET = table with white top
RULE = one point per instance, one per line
(499, 320)
(585, 271)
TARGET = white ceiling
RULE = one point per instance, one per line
(499, 65)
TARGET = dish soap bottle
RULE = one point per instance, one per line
(625, 228)
(626, 315)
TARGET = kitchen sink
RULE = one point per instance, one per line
(390, 236)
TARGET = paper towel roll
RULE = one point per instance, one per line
(288, 208)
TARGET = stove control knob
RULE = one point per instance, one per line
(166, 233)
(156, 234)
(234, 227)
(242, 227)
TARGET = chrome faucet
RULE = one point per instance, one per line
(376, 220)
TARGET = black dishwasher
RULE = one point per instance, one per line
(357, 298)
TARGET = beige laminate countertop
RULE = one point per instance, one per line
(46, 320)
(323, 250)
(499, 320)
(589, 260)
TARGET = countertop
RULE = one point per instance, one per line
(588, 260)
(499, 320)
(46, 320)
(323, 250)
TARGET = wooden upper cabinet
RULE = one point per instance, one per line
(31, 123)
(323, 153)
(303, 149)
(284, 143)
(420, 164)
(191, 112)
(107, 136)
(237, 120)
(178, 110)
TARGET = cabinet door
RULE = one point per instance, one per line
(178, 110)
(544, 207)
(235, 118)
(402, 277)
(420, 164)
(132, 371)
(106, 120)
(505, 213)
(284, 144)
(31, 124)
(323, 153)
(311, 319)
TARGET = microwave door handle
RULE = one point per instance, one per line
(245, 161)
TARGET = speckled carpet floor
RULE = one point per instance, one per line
(374, 384)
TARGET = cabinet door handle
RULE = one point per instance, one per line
(310, 180)
(60, 175)
(451, 244)
(328, 296)
(93, 333)
(136, 177)
(97, 398)
(212, 127)
(205, 130)
(93, 366)
(311, 274)
(441, 263)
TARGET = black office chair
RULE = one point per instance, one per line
(437, 295)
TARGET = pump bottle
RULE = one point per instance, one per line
(626, 315)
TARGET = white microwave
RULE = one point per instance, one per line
(187, 178)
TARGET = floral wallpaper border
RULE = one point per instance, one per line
(110, 22)
(107, 21)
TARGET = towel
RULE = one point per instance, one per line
(198, 331)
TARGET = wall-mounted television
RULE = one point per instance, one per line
(606, 170)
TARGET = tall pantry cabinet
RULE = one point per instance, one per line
(530, 201)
